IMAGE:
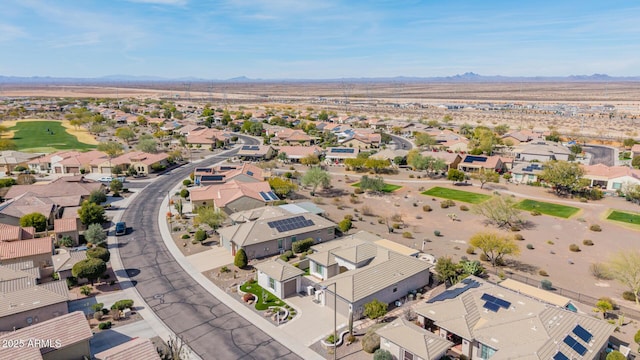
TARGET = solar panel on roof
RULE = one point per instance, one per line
(264, 196)
(502, 303)
(487, 297)
(290, 224)
(575, 345)
(452, 293)
(491, 306)
(272, 195)
(471, 158)
(582, 333)
(560, 356)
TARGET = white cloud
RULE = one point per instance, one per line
(161, 2)
(10, 32)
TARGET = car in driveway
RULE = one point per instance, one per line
(108, 179)
(121, 228)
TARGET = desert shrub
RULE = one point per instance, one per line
(358, 191)
(595, 227)
(609, 300)
(122, 304)
(98, 315)
(302, 245)
(530, 246)
(200, 235)
(471, 250)
(382, 354)
(381, 221)
(628, 295)
(587, 242)
(370, 342)
(396, 226)
(241, 260)
(185, 236)
(535, 213)
(330, 339)
(286, 255)
(542, 272)
(518, 237)
(225, 269)
(515, 228)
(546, 284)
(194, 241)
(426, 208)
(349, 216)
(186, 182)
(447, 204)
(344, 225)
(437, 232)
(104, 325)
(86, 290)
(484, 257)
(72, 281)
(464, 208)
(396, 217)
(366, 210)
(599, 271)
(407, 235)
(184, 193)
(66, 241)
(574, 248)
(550, 242)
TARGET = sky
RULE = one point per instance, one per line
(318, 39)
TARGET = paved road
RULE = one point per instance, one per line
(401, 143)
(600, 154)
(212, 329)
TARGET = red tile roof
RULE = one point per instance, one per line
(65, 225)
(138, 348)
(24, 248)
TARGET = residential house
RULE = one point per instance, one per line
(473, 163)
(256, 152)
(291, 137)
(143, 163)
(635, 150)
(526, 173)
(67, 162)
(274, 232)
(188, 129)
(337, 155)
(64, 191)
(60, 338)
(449, 140)
(67, 226)
(362, 271)
(405, 340)
(233, 196)
(245, 172)
(264, 212)
(64, 259)
(297, 153)
(25, 302)
(541, 151)
(485, 321)
(611, 178)
(9, 159)
(12, 210)
(15, 233)
(363, 140)
(38, 251)
(516, 138)
(210, 138)
(279, 277)
(451, 159)
(136, 348)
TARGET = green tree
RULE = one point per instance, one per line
(35, 219)
(179, 207)
(501, 129)
(344, 225)
(377, 164)
(615, 355)
(95, 234)
(485, 176)
(311, 159)
(636, 338)
(554, 136)
(494, 246)
(575, 149)
(99, 253)
(564, 176)
(149, 146)
(7, 144)
(125, 133)
(91, 213)
(97, 196)
(375, 184)
(424, 139)
(375, 309)
(315, 177)
(355, 164)
(603, 306)
(111, 148)
(624, 266)
(446, 270)
(116, 186)
(455, 175)
(97, 129)
(628, 143)
(209, 216)
(382, 354)
(282, 187)
(90, 269)
(635, 162)
(501, 211)
(240, 259)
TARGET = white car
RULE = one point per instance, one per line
(106, 179)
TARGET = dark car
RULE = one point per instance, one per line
(121, 228)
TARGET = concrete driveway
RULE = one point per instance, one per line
(107, 339)
(211, 259)
(313, 322)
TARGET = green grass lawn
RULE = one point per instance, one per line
(258, 291)
(627, 217)
(459, 195)
(387, 187)
(546, 208)
(33, 136)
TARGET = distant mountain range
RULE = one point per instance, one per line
(468, 77)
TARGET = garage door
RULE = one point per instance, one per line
(289, 288)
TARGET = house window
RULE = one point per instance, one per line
(616, 186)
(272, 283)
(486, 352)
(293, 239)
(407, 355)
(280, 244)
(319, 269)
(331, 231)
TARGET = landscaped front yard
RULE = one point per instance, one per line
(459, 195)
(626, 217)
(547, 208)
(259, 292)
(387, 187)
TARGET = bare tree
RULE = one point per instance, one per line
(174, 349)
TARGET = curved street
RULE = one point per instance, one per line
(210, 328)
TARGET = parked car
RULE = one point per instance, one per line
(121, 228)
(108, 179)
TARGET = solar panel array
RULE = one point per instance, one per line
(342, 150)
(268, 196)
(582, 333)
(560, 356)
(454, 292)
(294, 223)
(493, 303)
(251, 147)
(212, 177)
(471, 158)
(532, 167)
(575, 345)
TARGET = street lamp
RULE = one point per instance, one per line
(335, 316)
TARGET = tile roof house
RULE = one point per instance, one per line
(274, 232)
(450, 140)
(14, 233)
(39, 250)
(11, 211)
(362, 140)
(9, 159)
(521, 136)
(451, 159)
(141, 161)
(24, 302)
(245, 172)
(67, 226)
(208, 137)
(525, 173)
(297, 153)
(611, 178)
(136, 348)
(64, 259)
(292, 137)
(541, 151)
(64, 191)
(66, 162)
(405, 340)
(279, 277)
(256, 152)
(484, 320)
(473, 163)
(63, 337)
(233, 196)
(339, 154)
(362, 271)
